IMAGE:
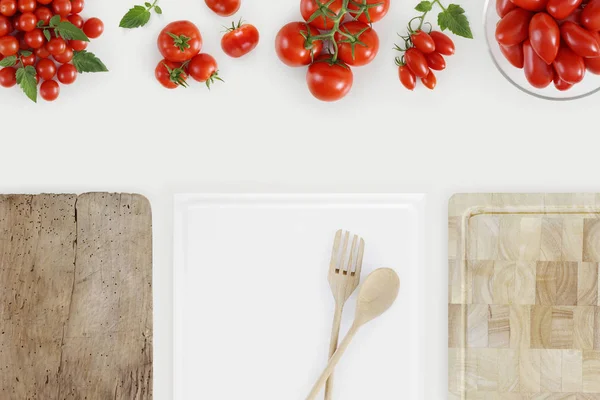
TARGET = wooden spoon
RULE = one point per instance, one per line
(375, 297)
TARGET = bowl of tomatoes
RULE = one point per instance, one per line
(547, 48)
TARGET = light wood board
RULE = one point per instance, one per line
(75, 297)
(524, 310)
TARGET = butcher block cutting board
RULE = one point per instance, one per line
(523, 314)
(75, 297)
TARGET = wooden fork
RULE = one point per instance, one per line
(344, 277)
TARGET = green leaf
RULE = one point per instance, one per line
(135, 17)
(26, 53)
(26, 79)
(424, 6)
(8, 61)
(148, 5)
(47, 35)
(68, 31)
(85, 61)
(455, 20)
(158, 10)
(54, 20)
(40, 23)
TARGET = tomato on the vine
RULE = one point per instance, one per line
(436, 61)
(170, 74)
(224, 8)
(514, 54)
(514, 27)
(49, 90)
(544, 35)
(329, 81)
(374, 10)
(179, 41)
(569, 66)
(590, 17)
(416, 61)
(292, 47)
(66, 74)
(8, 77)
(538, 73)
(9, 45)
(430, 81)
(443, 44)
(327, 12)
(407, 78)
(93, 28)
(581, 41)
(423, 42)
(357, 43)
(240, 40)
(561, 9)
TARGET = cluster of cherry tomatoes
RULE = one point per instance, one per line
(26, 37)
(423, 53)
(552, 40)
(335, 36)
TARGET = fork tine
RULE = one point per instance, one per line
(344, 251)
(335, 252)
(359, 257)
(350, 265)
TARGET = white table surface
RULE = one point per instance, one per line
(122, 132)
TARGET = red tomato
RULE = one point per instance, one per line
(35, 38)
(5, 26)
(538, 73)
(590, 17)
(593, 65)
(443, 44)
(46, 69)
(569, 66)
(170, 74)
(8, 77)
(27, 22)
(77, 6)
(423, 42)
(8, 8)
(9, 46)
(78, 45)
(179, 41)
(560, 84)
(56, 46)
(531, 5)
(362, 48)
(329, 82)
(415, 60)
(430, 81)
(76, 20)
(240, 41)
(49, 90)
(61, 7)
(66, 74)
(65, 57)
(514, 27)
(203, 68)
(94, 27)
(370, 10)
(28, 60)
(503, 7)
(45, 2)
(309, 7)
(407, 78)
(43, 14)
(291, 45)
(582, 42)
(224, 8)
(544, 35)
(26, 5)
(561, 9)
(42, 52)
(514, 54)
(575, 16)
(436, 61)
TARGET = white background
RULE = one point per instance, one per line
(262, 132)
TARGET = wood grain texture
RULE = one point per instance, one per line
(525, 290)
(75, 297)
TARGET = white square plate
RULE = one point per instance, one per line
(253, 308)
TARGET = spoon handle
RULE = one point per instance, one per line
(335, 338)
(332, 363)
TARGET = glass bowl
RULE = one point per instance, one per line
(589, 85)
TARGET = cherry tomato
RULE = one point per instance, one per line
(78, 45)
(65, 57)
(538, 73)
(582, 42)
(531, 5)
(56, 46)
(544, 36)
(575, 16)
(443, 44)
(5, 26)
(329, 82)
(291, 45)
(503, 7)
(77, 6)
(435, 61)
(8, 77)
(593, 65)
(323, 22)
(569, 66)
(8, 8)
(45, 2)
(561, 9)
(66, 74)
(560, 84)
(26, 5)
(43, 14)
(430, 81)
(42, 52)
(423, 42)
(416, 61)
(590, 17)
(76, 20)
(224, 8)
(27, 22)
(94, 27)
(170, 80)
(514, 27)
(179, 41)
(9, 46)
(514, 54)
(240, 41)
(61, 7)
(46, 69)
(407, 78)
(375, 11)
(35, 38)
(203, 68)
(361, 50)
(49, 90)
(28, 60)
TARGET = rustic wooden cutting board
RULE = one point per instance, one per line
(523, 314)
(75, 297)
